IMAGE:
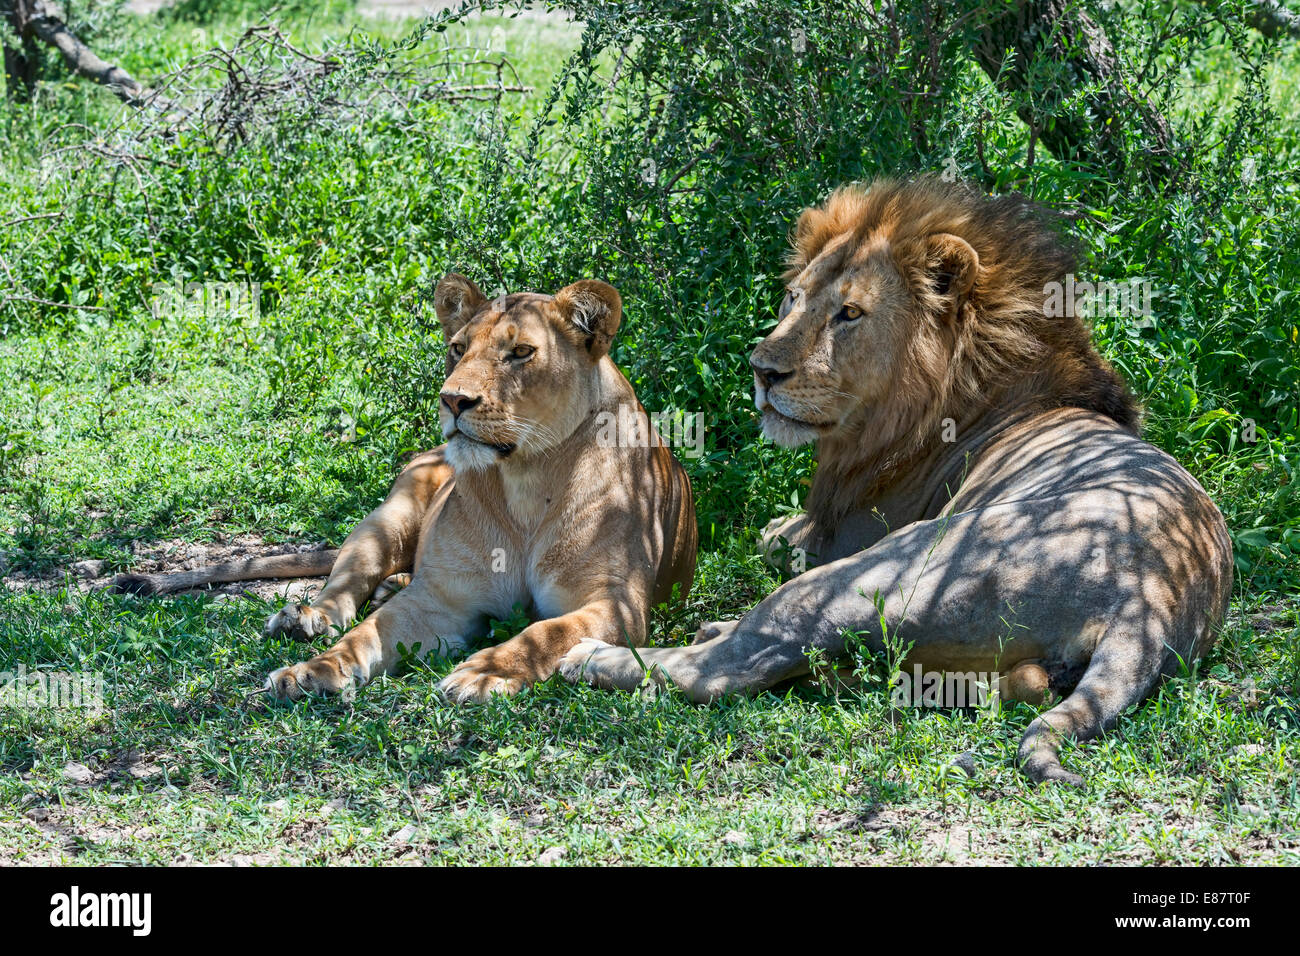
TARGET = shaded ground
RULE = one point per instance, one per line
(157, 557)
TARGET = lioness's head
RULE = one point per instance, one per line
(910, 301)
(521, 368)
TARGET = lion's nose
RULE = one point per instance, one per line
(768, 376)
(458, 403)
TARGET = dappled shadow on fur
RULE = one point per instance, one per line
(982, 502)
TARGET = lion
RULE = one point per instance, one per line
(534, 499)
(982, 499)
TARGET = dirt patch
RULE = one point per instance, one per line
(160, 557)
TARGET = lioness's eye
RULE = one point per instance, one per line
(848, 314)
(457, 350)
(522, 351)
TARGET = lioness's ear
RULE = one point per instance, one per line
(952, 265)
(595, 308)
(456, 299)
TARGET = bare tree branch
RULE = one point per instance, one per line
(80, 58)
(36, 19)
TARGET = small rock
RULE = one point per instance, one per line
(1251, 810)
(278, 806)
(78, 773)
(333, 807)
(37, 814)
(404, 835)
(185, 859)
(965, 761)
(1248, 750)
(89, 569)
(552, 855)
(734, 838)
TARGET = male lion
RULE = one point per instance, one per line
(981, 495)
(530, 501)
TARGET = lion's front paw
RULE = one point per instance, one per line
(602, 665)
(480, 676)
(299, 622)
(714, 630)
(320, 675)
(772, 531)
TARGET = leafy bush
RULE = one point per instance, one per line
(669, 156)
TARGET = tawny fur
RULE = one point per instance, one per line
(982, 498)
(527, 503)
(1001, 338)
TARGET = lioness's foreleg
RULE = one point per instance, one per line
(535, 653)
(382, 545)
(429, 616)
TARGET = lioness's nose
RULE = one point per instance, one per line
(458, 403)
(768, 376)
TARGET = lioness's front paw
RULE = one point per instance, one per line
(483, 674)
(299, 622)
(320, 675)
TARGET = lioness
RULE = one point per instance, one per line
(981, 496)
(531, 500)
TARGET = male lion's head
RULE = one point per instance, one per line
(909, 302)
(521, 368)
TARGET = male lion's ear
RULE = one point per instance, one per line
(456, 299)
(595, 308)
(952, 265)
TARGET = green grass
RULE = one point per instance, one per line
(184, 755)
(120, 428)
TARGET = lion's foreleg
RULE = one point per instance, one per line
(784, 543)
(871, 594)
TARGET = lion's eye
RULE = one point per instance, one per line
(522, 351)
(457, 350)
(848, 314)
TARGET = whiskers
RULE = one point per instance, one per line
(809, 411)
(532, 436)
